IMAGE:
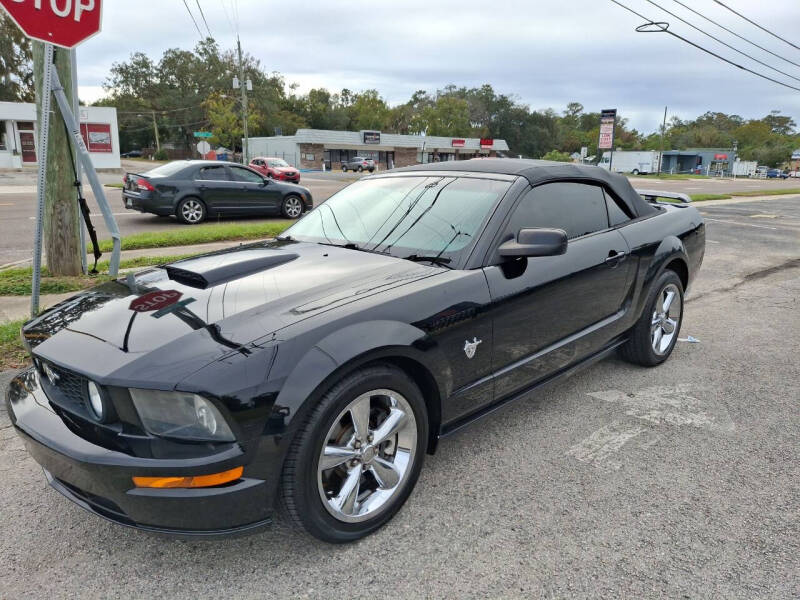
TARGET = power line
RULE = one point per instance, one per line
(200, 8)
(136, 112)
(193, 19)
(150, 127)
(757, 25)
(227, 16)
(663, 27)
(716, 39)
(741, 37)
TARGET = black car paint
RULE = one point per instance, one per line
(265, 361)
(222, 198)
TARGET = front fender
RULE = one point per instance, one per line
(303, 375)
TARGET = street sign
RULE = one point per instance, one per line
(155, 300)
(203, 147)
(203, 134)
(65, 23)
(608, 118)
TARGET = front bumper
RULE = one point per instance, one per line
(99, 479)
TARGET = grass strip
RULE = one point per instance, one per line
(701, 197)
(773, 192)
(199, 234)
(17, 282)
(12, 353)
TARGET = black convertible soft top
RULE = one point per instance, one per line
(542, 171)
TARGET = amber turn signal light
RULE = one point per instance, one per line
(197, 481)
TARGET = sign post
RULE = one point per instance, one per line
(63, 24)
(608, 121)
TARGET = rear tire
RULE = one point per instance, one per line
(344, 169)
(352, 498)
(191, 211)
(360, 169)
(635, 172)
(653, 337)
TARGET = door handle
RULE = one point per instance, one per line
(614, 259)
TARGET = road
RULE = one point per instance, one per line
(18, 213)
(18, 203)
(622, 482)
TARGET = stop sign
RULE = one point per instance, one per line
(64, 23)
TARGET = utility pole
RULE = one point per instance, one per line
(663, 131)
(61, 231)
(155, 130)
(244, 85)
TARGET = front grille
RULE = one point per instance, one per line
(67, 390)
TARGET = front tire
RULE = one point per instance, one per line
(653, 337)
(357, 457)
(635, 172)
(191, 211)
(292, 207)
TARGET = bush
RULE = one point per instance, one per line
(161, 155)
(557, 156)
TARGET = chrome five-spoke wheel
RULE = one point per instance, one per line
(367, 455)
(665, 319)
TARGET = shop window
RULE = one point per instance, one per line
(3, 143)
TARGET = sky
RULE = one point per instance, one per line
(544, 53)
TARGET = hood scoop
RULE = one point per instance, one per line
(213, 269)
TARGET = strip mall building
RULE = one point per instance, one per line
(19, 135)
(308, 148)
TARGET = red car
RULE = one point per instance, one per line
(276, 168)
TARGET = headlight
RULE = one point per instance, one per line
(180, 415)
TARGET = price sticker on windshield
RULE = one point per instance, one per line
(155, 300)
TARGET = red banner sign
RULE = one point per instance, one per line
(97, 137)
(720, 157)
(487, 142)
(458, 143)
(155, 300)
(65, 23)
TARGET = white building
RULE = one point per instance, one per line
(19, 135)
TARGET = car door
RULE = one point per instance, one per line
(551, 311)
(215, 188)
(256, 194)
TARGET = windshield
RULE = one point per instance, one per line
(404, 216)
(168, 169)
(277, 162)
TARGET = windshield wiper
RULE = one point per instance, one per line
(437, 260)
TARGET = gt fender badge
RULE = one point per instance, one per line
(471, 347)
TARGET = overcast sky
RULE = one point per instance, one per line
(543, 52)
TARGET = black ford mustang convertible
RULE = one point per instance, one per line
(315, 371)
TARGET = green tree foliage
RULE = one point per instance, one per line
(190, 90)
(557, 156)
(16, 63)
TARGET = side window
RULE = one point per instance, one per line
(576, 208)
(616, 215)
(242, 174)
(215, 173)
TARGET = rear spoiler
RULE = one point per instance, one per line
(653, 195)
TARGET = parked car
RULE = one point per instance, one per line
(359, 164)
(316, 370)
(194, 190)
(777, 173)
(276, 168)
(132, 154)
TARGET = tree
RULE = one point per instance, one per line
(369, 111)
(16, 72)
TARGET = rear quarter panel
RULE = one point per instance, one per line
(675, 232)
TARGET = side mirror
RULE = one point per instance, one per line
(535, 242)
(265, 181)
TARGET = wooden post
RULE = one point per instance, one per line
(62, 244)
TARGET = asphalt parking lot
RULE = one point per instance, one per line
(678, 481)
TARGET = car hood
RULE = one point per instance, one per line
(170, 321)
(284, 169)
